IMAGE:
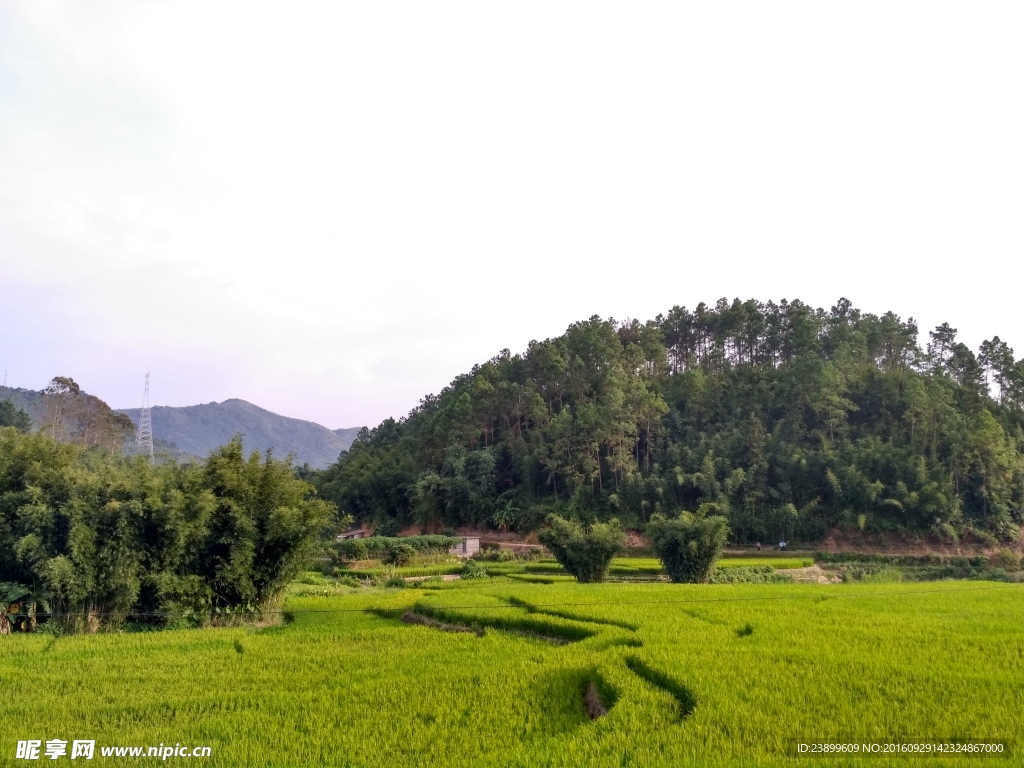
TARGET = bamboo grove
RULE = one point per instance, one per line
(791, 420)
(94, 538)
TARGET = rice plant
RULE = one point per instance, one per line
(704, 675)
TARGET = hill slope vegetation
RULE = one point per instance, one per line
(790, 420)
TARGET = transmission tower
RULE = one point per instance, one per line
(144, 437)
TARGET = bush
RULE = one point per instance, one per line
(495, 554)
(399, 554)
(689, 545)
(884, 575)
(585, 553)
(755, 574)
(383, 577)
(377, 546)
(473, 570)
(1005, 559)
(113, 536)
(351, 549)
(902, 561)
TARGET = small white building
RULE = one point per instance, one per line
(468, 547)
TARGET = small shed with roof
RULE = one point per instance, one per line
(358, 533)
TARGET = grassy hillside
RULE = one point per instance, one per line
(689, 675)
(198, 429)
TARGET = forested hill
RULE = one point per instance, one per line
(199, 429)
(793, 420)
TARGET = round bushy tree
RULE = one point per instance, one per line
(350, 550)
(399, 554)
(584, 552)
(689, 545)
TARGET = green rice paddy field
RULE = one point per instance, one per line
(620, 566)
(691, 676)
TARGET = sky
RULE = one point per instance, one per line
(333, 209)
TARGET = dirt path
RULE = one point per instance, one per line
(811, 575)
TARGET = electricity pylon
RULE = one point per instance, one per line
(144, 436)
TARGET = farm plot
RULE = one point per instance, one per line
(553, 674)
(651, 566)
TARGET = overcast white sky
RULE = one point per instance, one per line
(332, 209)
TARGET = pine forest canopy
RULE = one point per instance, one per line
(790, 420)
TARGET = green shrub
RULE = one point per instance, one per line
(491, 554)
(54, 628)
(473, 570)
(754, 574)
(689, 545)
(585, 553)
(351, 549)
(884, 575)
(888, 574)
(494, 554)
(399, 554)
(1005, 559)
(903, 561)
(377, 546)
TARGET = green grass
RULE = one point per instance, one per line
(648, 566)
(779, 563)
(622, 567)
(435, 569)
(700, 675)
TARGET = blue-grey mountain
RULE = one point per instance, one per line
(198, 429)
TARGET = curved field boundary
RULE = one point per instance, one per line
(562, 614)
(529, 625)
(410, 617)
(686, 699)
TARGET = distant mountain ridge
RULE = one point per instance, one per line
(198, 429)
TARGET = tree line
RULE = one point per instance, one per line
(69, 415)
(91, 538)
(790, 420)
